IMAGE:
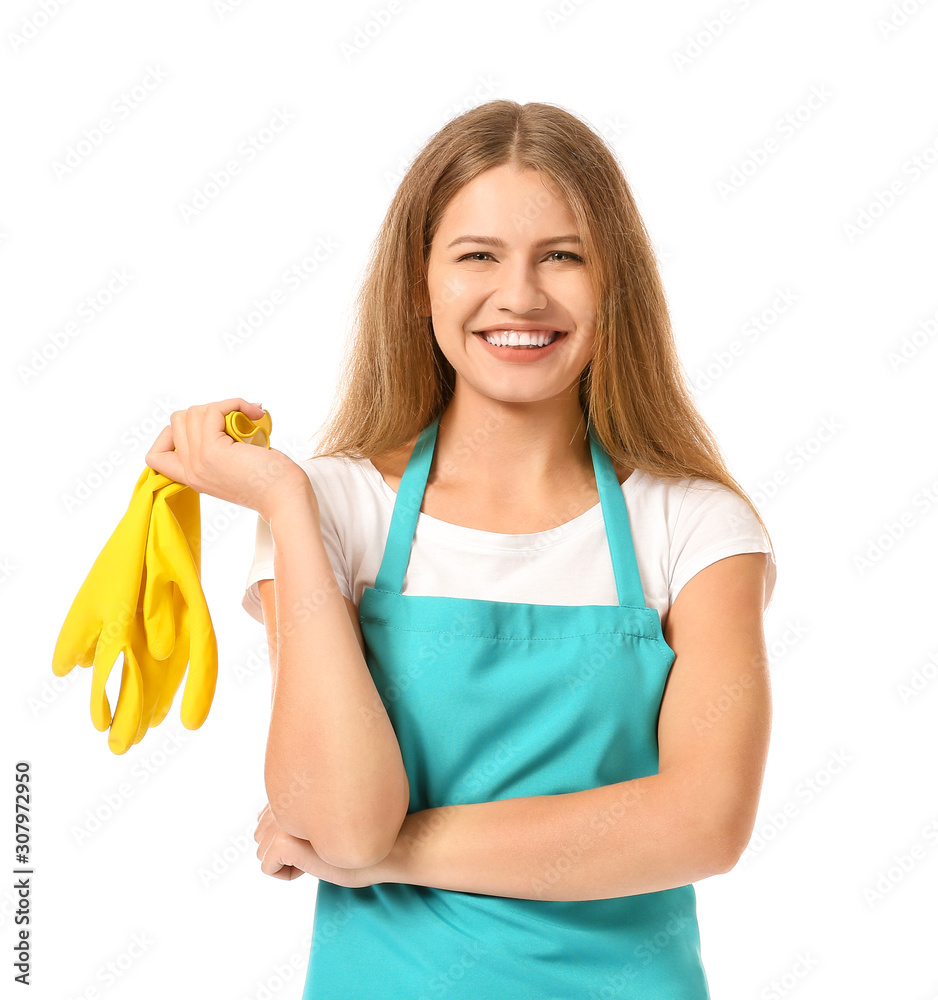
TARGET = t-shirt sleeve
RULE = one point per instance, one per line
(714, 522)
(262, 568)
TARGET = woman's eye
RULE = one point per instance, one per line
(554, 253)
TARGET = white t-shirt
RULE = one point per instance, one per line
(678, 528)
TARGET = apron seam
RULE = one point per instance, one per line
(503, 638)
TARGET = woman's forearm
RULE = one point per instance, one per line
(632, 837)
(333, 766)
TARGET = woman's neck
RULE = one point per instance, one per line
(495, 449)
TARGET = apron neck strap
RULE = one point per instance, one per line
(410, 493)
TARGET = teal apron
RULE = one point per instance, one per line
(494, 700)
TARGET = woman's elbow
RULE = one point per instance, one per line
(358, 847)
(727, 843)
(349, 841)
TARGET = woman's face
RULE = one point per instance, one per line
(504, 275)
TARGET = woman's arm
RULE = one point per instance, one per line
(691, 820)
(333, 769)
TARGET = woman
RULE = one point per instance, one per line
(520, 687)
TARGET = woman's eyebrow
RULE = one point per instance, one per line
(494, 241)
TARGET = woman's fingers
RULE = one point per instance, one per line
(237, 403)
(178, 421)
(195, 420)
(163, 459)
(197, 451)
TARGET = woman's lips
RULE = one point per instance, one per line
(521, 354)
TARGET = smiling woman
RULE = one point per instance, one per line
(482, 296)
(499, 752)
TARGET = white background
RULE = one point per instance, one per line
(146, 861)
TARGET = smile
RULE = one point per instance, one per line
(521, 345)
(520, 338)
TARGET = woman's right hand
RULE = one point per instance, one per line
(197, 451)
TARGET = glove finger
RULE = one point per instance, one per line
(158, 618)
(127, 714)
(114, 576)
(152, 673)
(199, 691)
(185, 506)
(105, 654)
(203, 651)
(170, 550)
(174, 666)
(242, 428)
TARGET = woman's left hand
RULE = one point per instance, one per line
(285, 856)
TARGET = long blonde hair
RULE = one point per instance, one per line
(634, 393)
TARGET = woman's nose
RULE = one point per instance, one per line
(519, 288)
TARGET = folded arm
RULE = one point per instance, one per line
(691, 820)
(333, 769)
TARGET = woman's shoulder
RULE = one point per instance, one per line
(335, 474)
(690, 505)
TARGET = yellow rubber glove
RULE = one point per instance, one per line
(158, 611)
(160, 640)
(140, 598)
(175, 510)
(103, 614)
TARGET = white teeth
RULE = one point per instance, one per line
(512, 338)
